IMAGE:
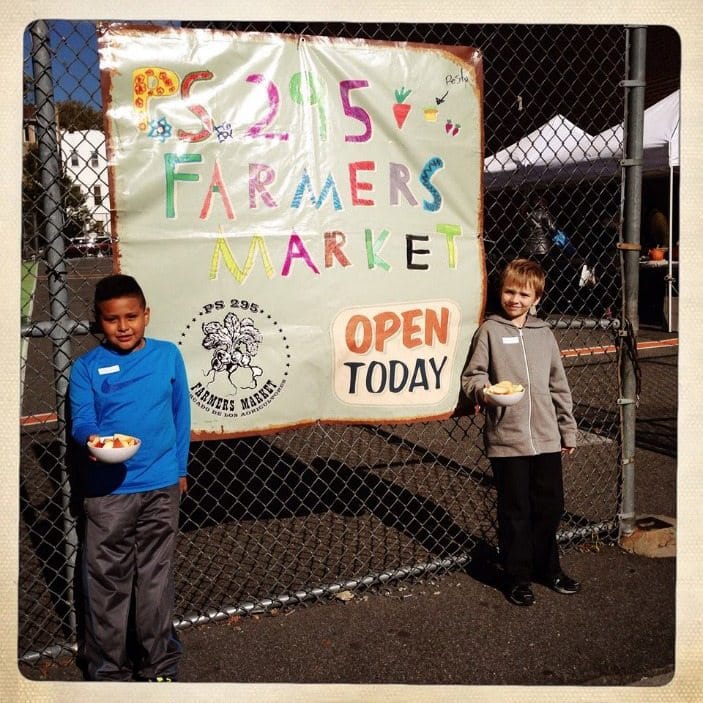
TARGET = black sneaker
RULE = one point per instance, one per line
(163, 679)
(561, 583)
(521, 595)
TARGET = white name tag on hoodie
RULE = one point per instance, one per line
(108, 369)
(511, 340)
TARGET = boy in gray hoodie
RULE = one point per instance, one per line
(525, 441)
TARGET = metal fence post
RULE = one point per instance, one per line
(630, 251)
(52, 208)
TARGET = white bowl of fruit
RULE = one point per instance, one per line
(114, 449)
(504, 393)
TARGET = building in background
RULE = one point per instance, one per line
(84, 160)
(83, 188)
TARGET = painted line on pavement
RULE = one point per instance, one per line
(610, 349)
(38, 419)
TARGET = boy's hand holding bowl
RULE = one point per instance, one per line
(114, 449)
(503, 393)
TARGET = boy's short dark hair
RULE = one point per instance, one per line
(117, 285)
(524, 272)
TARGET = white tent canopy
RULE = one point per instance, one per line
(660, 139)
(559, 140)
(661, 127)
(560, 150)
(557, 147)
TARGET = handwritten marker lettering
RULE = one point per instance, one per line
(397, 351)
(148, 83)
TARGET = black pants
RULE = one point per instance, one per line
(530, 505)
(129, 545)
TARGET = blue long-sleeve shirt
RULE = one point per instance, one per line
(144, 394)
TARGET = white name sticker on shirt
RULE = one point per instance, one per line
(511, 340)
(108, 369)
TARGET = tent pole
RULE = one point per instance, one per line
(670, 277)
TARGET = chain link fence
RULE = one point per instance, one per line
(306, 514)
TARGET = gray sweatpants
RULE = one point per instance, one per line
(129, 545)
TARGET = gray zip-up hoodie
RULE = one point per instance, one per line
(543, 420)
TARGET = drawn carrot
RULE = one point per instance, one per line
(401, 108)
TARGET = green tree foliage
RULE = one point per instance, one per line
(74, 116)
(27, 88)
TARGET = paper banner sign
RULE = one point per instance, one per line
(304, 215)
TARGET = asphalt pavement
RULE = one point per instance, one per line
(458, 629)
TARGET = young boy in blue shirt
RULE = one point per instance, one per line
(525, 442)
(135, 386)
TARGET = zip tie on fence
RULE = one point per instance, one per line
(629, 246)
(633, 82)
(626, 516)
(627, 401)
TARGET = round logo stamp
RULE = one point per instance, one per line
(243, 356)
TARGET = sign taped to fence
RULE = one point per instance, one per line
(304, 216)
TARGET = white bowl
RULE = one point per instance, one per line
(114, 455)
(503, 399)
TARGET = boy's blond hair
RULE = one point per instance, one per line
(524, 272)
